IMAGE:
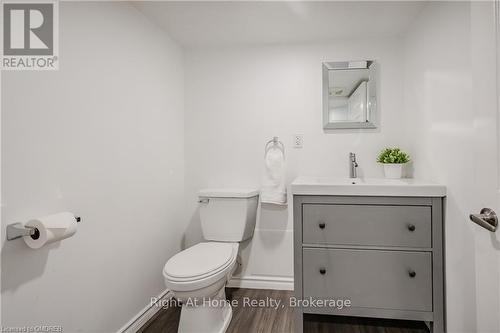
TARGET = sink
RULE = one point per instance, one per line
(366, 187)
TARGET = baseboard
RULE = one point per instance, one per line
(145, 314)
(262, 282)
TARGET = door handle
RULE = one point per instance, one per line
(487, 219)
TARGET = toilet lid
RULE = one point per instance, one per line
(200, 259)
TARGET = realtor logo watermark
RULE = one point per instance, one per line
(30, 35)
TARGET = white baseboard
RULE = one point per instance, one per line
(262, 282)
(145, 314)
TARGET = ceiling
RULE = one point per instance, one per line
(208, 23)
(345, 82)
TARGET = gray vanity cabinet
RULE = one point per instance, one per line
(382, 254)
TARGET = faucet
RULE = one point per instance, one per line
(353, 172)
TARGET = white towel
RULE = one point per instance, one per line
(273, 185)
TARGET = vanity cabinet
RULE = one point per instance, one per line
(384, 255)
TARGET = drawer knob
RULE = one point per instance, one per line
(322, 225)
(411, 227)
(322, 271)
(412, 273)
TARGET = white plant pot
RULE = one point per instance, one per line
(393, 170)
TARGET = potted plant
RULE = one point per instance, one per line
(393, 160)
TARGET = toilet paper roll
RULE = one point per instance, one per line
(51, 229)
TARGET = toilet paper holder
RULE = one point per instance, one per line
(18, 230)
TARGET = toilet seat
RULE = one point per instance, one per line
(200, 265)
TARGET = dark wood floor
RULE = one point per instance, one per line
(268, 320)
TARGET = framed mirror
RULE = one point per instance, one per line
(349, 94)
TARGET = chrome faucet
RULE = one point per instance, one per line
(353, 171)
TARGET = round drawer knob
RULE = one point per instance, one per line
(322, 271)
(411, 227)
(322, 225)
(412, 273)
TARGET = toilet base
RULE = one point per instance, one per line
(211, 315)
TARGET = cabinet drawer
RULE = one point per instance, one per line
(369, 278)
(368, 225)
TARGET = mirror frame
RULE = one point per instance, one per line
(371, 121)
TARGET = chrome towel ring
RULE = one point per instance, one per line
(274, 142)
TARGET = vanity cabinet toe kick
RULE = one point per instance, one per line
(379, 257)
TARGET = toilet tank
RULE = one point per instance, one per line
(228, 215)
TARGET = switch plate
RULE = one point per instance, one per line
(298, 141)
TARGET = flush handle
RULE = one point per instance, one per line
(487, 219)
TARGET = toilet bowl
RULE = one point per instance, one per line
(198, 275)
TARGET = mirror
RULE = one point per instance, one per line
(349, 94)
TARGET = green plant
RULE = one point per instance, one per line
(393, 156)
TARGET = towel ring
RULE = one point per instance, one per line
(274, 142)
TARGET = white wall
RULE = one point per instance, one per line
(103, 138)
(444, 108)
(238, 98)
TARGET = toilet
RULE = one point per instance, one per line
(198, 275)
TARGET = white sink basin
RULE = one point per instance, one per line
(366, 187)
